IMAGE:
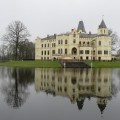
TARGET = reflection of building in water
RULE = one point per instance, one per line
(76, 84)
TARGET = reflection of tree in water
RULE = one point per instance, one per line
(119, 78)
(114, 89)
(16, 91)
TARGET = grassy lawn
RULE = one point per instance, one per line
(97, 64)
(33, 64)
(56, 64)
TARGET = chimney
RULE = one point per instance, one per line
(47, 36)
(89, 32)
(54, 36)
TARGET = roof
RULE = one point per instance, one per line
(81, 26)
(102, 25)
(51, 37)
(101, 107)
(88, 35)
(48, 37)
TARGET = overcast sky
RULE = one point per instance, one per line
(42, 17)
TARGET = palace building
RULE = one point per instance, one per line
(76, 44)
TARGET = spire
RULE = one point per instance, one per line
(80, 103)
(81, 26)
(101, 107)
(102, 25)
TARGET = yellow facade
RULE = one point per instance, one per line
(76, 44)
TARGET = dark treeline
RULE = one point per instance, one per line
(26, 51)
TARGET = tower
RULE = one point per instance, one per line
(81, 27)
(102, 29)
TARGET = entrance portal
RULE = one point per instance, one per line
(74, 51)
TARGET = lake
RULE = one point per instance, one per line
(59, 94)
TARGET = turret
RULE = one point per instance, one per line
(102, 29)
(81, 28)
(102, 102)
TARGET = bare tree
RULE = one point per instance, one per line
(16, 32)
(115, 40)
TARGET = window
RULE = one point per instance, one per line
(41, 52)
(65, 89)
(58, 51)
(99, 58)
(58, 41)
(81, 58)
(104, 31)
(86, 51)
(105, 51)
(54, 44)
(99, 51)
(81, 51)
(99, 43)
(48, 52)
(61, 42)
(42, 45)
(53, 51)
(83, 42)
(45, 52)
(48, 45)
(66, 51)
(88, 43)
(45, 45)
(65, 41)
(87, 58)
(74, 41)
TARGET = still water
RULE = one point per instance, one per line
(59, 94)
